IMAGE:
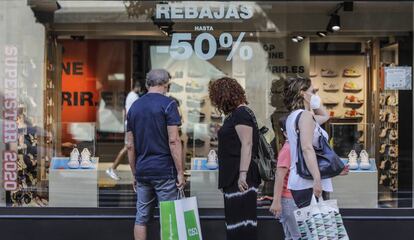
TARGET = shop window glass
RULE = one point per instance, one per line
(64, 85)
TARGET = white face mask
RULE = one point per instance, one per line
(315, 102)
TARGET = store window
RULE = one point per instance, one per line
(67, 68)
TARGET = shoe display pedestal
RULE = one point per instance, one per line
(358, 189)
(203, 185)
(72, 187)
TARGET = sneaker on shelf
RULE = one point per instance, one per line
(384, 132)
(394, 167)
(195, 143)
(351, 86)
(174, 87)
(392, 100)
(74, 159)
(385, 165)
(393, 118)
(214, 128)
(216, 116)
(393, 135)
(352, 160)
(330, 87)
(351, 99)
(213, 142)
(328, 73)
(393, 151)
(193, 87)
(394, 184)
(212, 162)
(383, 115)
(382, 100)
(193, 101)
(196, 116)
(112, 174)
(86, 159)
(50, 102)
(330, 101)
(351, 72)
(364, 164)
(383, 148)
(313, 74)
(352, 113)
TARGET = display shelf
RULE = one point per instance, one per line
(72, 187)
(354, 104)
(331, 104)
(345, 119)
(352, 90)
(371, 161)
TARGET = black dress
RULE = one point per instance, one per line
(239, 208)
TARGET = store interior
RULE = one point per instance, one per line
(90, 70)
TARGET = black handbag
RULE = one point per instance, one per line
(265, 158)
(330, 165)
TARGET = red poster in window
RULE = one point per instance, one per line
(79, 82)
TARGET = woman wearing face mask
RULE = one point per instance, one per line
(300, 97)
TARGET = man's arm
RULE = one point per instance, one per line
(176, 152)
(131, 152)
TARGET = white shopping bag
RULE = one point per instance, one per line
(306, 224)
(332, 207)
(328, 215)
(179, 220)
(310, 222)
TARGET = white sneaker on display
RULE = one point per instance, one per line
(86, 159)
(212, 160)
(74, 159)
(365, 164)
(352, 160)
(112, 174)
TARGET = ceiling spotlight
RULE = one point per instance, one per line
(294, 39)
(165, 25)
(297, 39)
(334, 24)
(321, 34)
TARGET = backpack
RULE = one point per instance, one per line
(265, 154)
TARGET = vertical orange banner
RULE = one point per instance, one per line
(79, 95)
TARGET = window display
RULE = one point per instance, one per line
(68, 115)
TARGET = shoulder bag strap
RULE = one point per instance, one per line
(297, 123)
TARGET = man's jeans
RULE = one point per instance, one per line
(149, 192)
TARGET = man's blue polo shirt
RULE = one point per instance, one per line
(148, 119)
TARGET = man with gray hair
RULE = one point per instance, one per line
(154, 149)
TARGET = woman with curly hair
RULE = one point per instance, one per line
(238, 142)
(301, 99)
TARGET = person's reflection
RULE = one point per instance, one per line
(130, 99)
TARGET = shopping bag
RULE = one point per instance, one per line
(310, 222)
(332, 207)
(179, 220)
(328, 216)
(306, 224)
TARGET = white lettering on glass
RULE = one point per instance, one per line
(9, 108)
(187, 11)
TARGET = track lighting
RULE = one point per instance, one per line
(321, 34)
(297, 39)
(334, 24)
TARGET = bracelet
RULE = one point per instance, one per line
(243, 171)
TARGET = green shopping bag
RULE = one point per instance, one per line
(179, 220)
